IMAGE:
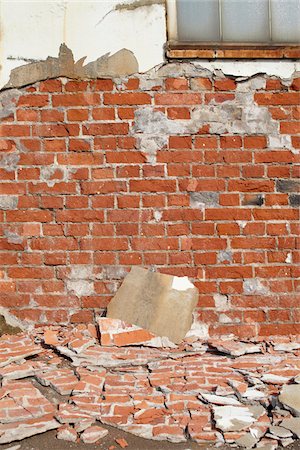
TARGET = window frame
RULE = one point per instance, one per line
(176, 49)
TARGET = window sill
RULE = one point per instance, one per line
(189, 50)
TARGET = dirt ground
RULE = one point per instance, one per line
(48, 441)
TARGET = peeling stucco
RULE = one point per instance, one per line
(121, 63)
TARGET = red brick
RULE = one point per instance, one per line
(178, 113)
(178, 99)
(176, 84)
(288, 98)
(225, 84)
(290, 127)
(139, 98)
(35, 100)
(106, 129)
(84, 99)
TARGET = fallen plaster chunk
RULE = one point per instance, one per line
(290, 398)
(266, 444)
(247, 441)
(93, 434)
(67, 433)
(234, 348)
(286, 442)
(17, 431)
(219, 400)
(287, 347)
(148, 299)
(270, 378)
(116, 332)
(280, 432)
(233, 418)
(254, 394)
(292, 425)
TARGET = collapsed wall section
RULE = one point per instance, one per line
(182, 169)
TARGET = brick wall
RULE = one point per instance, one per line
(189, 172)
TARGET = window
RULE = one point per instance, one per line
(233, 28)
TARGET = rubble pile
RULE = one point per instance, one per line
(222, 391)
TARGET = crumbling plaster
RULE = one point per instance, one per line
(131, 32)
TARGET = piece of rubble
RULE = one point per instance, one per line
(62, 381)
(115, 332)
(279, 432)
(19, 370)
(160, 303)
(224, 391)
(93, 434)
(290, 398)
(20, 400)
(286, 442)
(121, 442)
(234, 348)
(220, 400)
(247, 441)
(297, 379)
(50, 337)
(16, 348)
(83, 425)
(22, 429)
(67, 433)
(68, 413)
(274, 379)
(293, 425)
(79, 345)
(267, 444)
(287, 346)
(233, 418)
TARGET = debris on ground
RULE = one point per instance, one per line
(238, 392)
(154, 301)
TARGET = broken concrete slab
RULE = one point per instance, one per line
(220, 400)
(20, 430)
(292, 425)
(162, 304)
(279, 432)
(247, 441)
(271, 378)
(235, 348)
(16, 348)
(290, 398)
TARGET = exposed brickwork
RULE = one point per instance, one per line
(195, 175)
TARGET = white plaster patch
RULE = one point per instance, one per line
(182, 284)
(221, 302)
(80, 287)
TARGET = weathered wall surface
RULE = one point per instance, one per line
(105, 38)
(31, 32)
(191, 172)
